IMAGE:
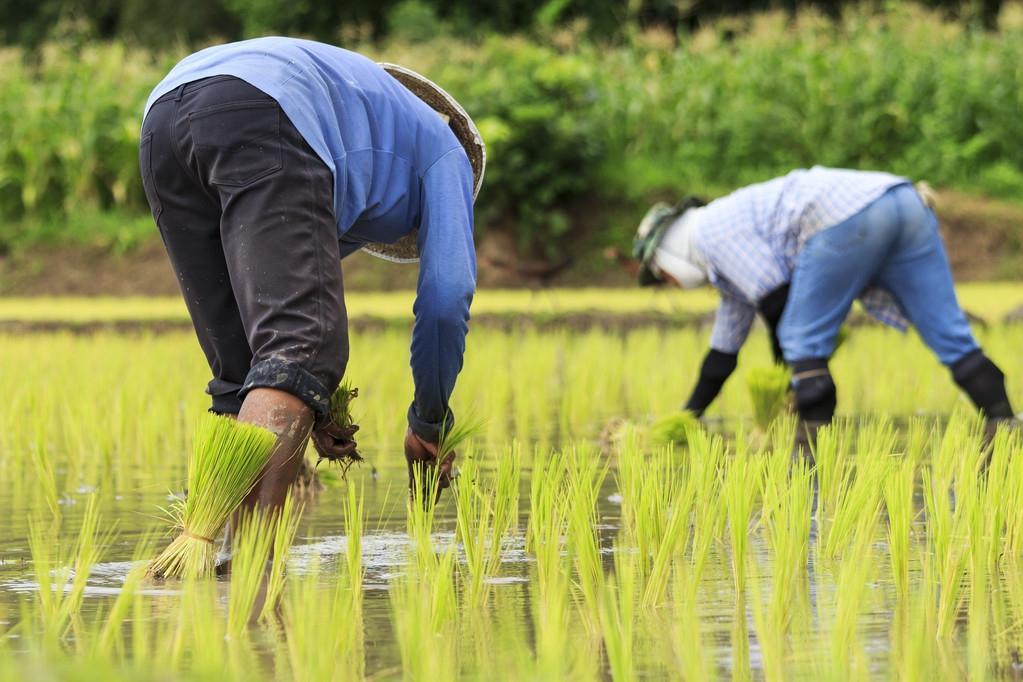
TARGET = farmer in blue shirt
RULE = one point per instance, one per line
(799, 250)
(265, 162)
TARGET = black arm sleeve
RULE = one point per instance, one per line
(716, 368)
(771, 308)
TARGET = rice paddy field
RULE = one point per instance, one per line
(575, 543)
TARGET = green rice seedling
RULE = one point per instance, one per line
(197, 643)
(250, 552)
(227, 459)
(672, 543)
(858, 504)
(646, 483)
(957, 459)
(535, 365)
(918, 434)
(46, 477)
(1002, 642)
(546, 502)
(848, 659)
(986, 527)
(341, 404)
(283, 524)
(947, 555)
(454, 436)
(741, 484)
(768, 390)
(61, 575)
(421, 512)
(787, 515)
(323, 629)
(354, 521)
(915, 650)
(771, 640)
(684, 632)
(787, 496)
(551, 606)
(485, 513)
(707, 465)
(499, 640)
(506, 501)
(617, 616)
(780, 435)
(674, 428)
(107, 642)
(978, 629)
(586, 475)
(545, 540)
(1008, 446)
(474, 513)
(898, 490)
(1011, 584)
(739, 641)
(832, 467)
(423, 612)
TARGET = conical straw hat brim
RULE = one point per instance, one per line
(406, 249)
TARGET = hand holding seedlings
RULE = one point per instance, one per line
(432, 464)
(334, 439)
(422, 458)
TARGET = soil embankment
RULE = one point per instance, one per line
(984, 239)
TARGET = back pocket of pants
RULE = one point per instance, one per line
(239, 142)
(146, 169)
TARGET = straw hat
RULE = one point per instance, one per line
(406, 249)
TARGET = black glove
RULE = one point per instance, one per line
(771, 308)
(716, 368)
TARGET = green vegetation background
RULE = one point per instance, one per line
(585, 120)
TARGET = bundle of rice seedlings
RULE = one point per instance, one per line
(454, 436)
(342, 430)
(341, 404)
(227, 459)
(768, 390)
(674, 428)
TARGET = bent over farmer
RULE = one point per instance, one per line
(799, 250)
(266, 162)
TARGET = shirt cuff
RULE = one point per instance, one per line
(428, 431)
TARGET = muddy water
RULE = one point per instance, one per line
(135, 510)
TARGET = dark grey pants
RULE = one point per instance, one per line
(245, 209)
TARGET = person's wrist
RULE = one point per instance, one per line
(425, 430)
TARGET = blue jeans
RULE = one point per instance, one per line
(893, 243)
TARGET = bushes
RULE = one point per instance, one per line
(904, 92)
(69, 129)
(546, 141)
(573, 127)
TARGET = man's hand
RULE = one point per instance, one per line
(421, 452)
(337, 443)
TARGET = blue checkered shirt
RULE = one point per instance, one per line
(750, 240)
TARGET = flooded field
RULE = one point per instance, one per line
(574, 546)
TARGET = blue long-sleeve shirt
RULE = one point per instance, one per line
(397, 166)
